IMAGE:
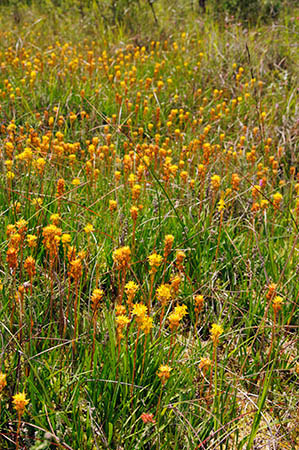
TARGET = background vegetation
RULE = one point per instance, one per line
(131, 129)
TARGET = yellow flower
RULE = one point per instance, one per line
(20, 402)
(255, 190)
(164, 373)
(277, 303)
(10, 175)
(88, 228)
(215, 182)
(55, 219)
(180, 256)
(121, 321)
(140, 311)
(175, 285)
(112, 205)
(66, 238)
(199, 301)
(205, 363)
(134, 212)
(264, 203)
(154, 261)
(163, 294)
(96, 297)
(122, 256)
(136, 189)
(168, 241)
(216, 332)
(277, 198)
(174, 320)
(146, 324)
(75, 271)
(76, 182)
(130, 289)
(221, 205)
(29, 266)
(31, 239)
(181, 310)
(120, 310)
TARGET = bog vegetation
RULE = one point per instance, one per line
(149, 211)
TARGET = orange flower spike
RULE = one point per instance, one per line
(29, 266)
(168, 242)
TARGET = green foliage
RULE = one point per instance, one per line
(187, 92)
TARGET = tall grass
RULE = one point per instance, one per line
(179, 141)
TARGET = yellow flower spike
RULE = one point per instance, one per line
(216, 332)
(181, 310)
(66, 239)
(130, 289)
(175, 285)
(221, 205)
(96, 298)
(122, 257)
(75, 271)
(205, 364)
(55, 219)
(139, 310)
(199, 301)
(120, 310)
(134, 212)
(180, 256)
(146, 324)
(88, 228)
(277, 303)
(112, 205)
(215, 182)
(164, 373)
(20, 402)
(121, 321)
(277, 199)
(76, 182)
(163, 294)
(155, 261)
(174, 320)
(31, 240)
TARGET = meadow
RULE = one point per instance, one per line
(149, 229)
